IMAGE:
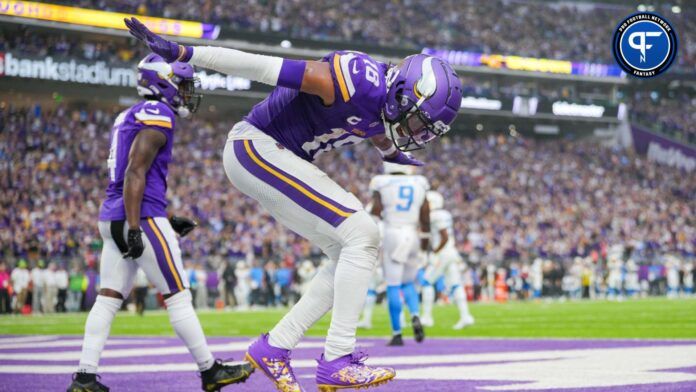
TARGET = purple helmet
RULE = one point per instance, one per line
(171, 83)
(423, 98)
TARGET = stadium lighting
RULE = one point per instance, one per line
(676, 9)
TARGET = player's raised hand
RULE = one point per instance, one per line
(182, 225)
(402, 159)
(135, 244)
(170, 51)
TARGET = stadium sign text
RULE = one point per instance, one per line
(98, 73)
(663, 150)
(562, 108)
(481, 103)
(65, 71)
(105, 19)
(530, 64)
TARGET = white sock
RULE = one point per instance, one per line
(369, 306)
(97, 329)
(311, 307)
(460, 300)
(428, 293)
(187, 327)
(350, 289)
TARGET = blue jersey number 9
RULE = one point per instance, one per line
(406, 197)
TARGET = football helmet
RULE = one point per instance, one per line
(423, 97)
(173, 84)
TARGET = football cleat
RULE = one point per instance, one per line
(418, 332)
(396, 341)
(86, 382)
(463, 323)
(274, 363)
(427, 321)
(220, 375)
(350, 371)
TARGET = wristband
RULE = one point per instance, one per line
(292, 73)
(388, 151)
(185, 53)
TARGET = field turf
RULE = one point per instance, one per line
(646, 318)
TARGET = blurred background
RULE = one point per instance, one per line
(566, 178)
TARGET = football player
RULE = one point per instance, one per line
(136, 231)
(398, 197)
(316, 106)
(444, 261)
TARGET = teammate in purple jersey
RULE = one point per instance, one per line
(342, 99)
(140, 153)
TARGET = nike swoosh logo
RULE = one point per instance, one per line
(153, 111)
(355, 68)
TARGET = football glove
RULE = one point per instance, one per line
(135, 244)
(170, 51)
(181, 225)
(402, 159)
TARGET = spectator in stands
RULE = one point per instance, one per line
(21, 280)
(76, 287)
(37, 287)
(50, 288)
(229, 280)
(62, 281)
(5, 287)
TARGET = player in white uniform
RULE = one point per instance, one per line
(399, 198)
(632, 284)
(615, 278)
(672, 266)
(688, 277)
(444, 260)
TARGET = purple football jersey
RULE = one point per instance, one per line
(303, 124)
(144, 115)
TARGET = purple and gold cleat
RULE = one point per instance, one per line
(350, 371)
(273, 362)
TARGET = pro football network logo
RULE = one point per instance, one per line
(645, 44)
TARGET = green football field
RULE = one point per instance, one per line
(646, 318)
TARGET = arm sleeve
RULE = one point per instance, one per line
(259, 68)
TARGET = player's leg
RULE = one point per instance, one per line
(453, 279)
(433, 272)
(163, 267)
(117, 276)
(427, 296)
(366, 319)
(411, 298)
(393, 277)
(331, 218)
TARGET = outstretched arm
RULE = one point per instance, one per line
(312, 77)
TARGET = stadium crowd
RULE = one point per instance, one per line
(531, 28)
(514, 199)
(672, 116)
